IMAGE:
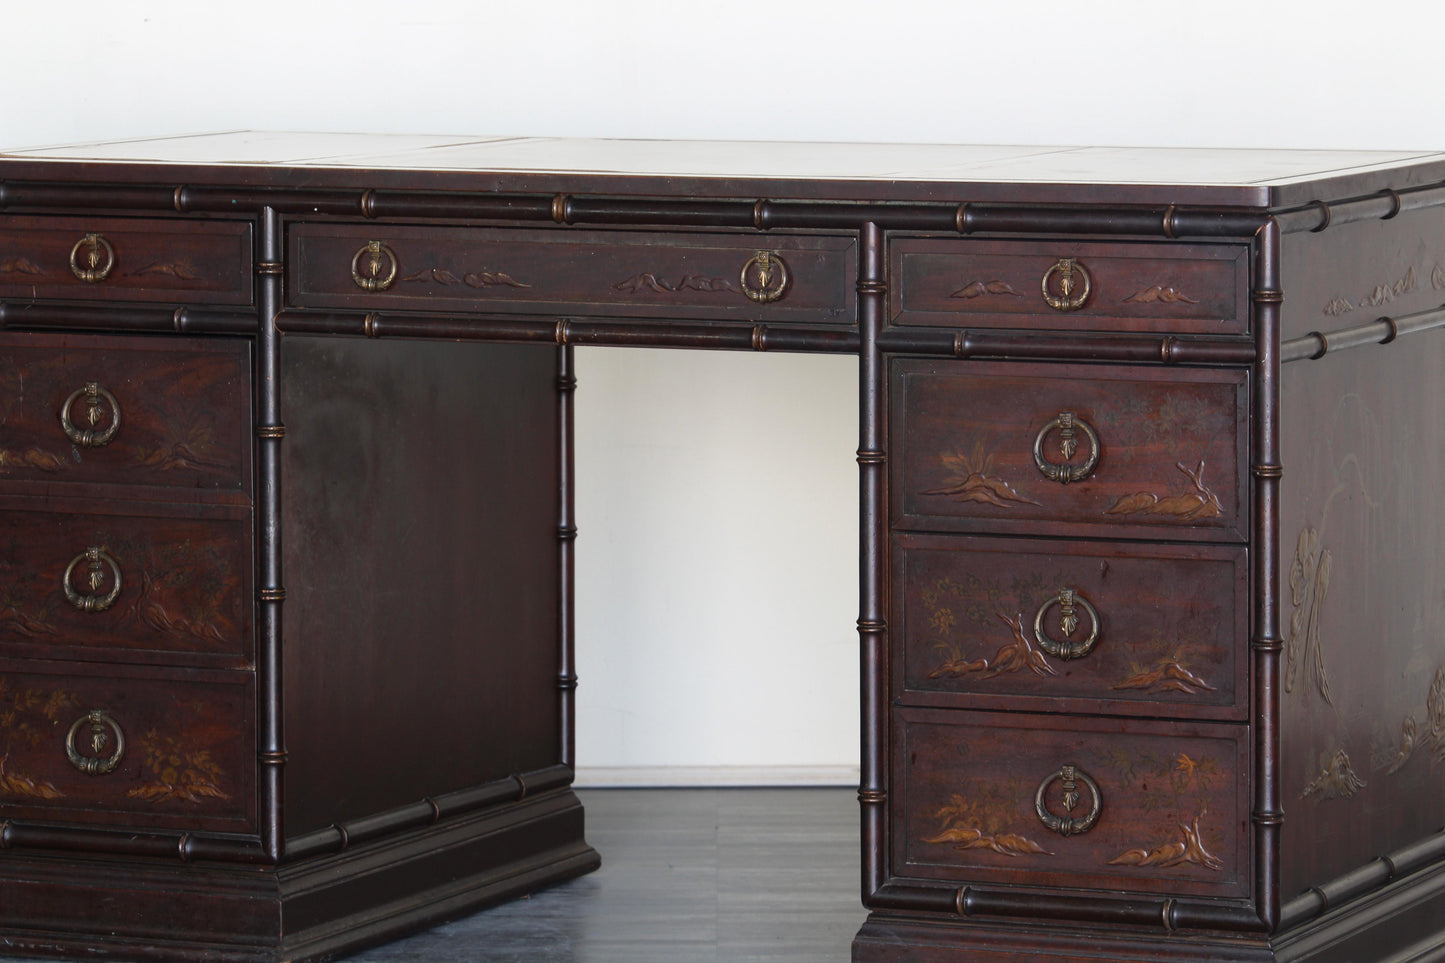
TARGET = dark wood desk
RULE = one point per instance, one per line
(1151, 623)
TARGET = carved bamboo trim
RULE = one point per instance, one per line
(1316, 344)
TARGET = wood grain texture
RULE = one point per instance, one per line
(421, 556)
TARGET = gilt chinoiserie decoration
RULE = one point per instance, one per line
(1149, 565)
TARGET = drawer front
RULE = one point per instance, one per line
(1072, 626)
(125, 411)
(964, 283)
(806, 278)
(163, 753)
(1159, 807)
(128, 259)
(135, 586)
(1069, 449)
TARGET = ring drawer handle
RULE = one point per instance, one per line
(372, 279)
(1071, 275)
(95, 765)
(93, 271)
(1069, 601)
(765, 277)
(91, 437)
(1069, 825)
(1068, 426)
(95, 559)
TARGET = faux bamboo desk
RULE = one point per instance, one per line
(1152, 619)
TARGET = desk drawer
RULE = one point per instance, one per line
(806, 278)
(1160, 808)
(1121, 286)
(145, 585)
(166, 412)
(1069, 449)
(131, 259)
(159, 752)
(1053, 625)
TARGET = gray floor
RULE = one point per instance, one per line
(687, 875)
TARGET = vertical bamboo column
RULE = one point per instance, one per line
(270, 738)
(872, 626)
(1266, 644)
(567, 538)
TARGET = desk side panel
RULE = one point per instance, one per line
(420, 552)
(1362, 553)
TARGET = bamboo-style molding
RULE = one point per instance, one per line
(758, 214)
(1316, 345)
(872, 566)
(270, 727)
(1266, 816)
(1167, 914)
(724, 335)
(185, 846)
(60, 315)
(1054, 346)
(1379, 872)
(566, 554)
(426, 812)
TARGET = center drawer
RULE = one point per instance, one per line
(802, 278)
(1073, 450)
(1055, 625)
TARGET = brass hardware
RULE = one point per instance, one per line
(1069, 602)
(373, 280)
(95, 246)
(1071, 274)
(91, 437)
(1071, 776)
(95, 559)
(1067, 425)
(95, 765)
(771, 273)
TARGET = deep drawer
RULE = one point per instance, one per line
(129, 749)
(130, 259)
(1069, 449)
(1160, 808)
(1071, 626)
(151, 584)
(173, 412)
(1121, 286)
(793, 278)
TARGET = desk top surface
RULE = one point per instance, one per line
(1246, 177)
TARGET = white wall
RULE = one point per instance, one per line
(717, 558)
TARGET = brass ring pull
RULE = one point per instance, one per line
(91, 437)
(765, 277)
(1069, 825)
(95, 765)
(1071, 275)
(373, 280)
(95, 558)
(1070, 601)
(1068, 427)
(93, 271)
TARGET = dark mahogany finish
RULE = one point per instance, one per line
(1181, 288)
(1149, 619)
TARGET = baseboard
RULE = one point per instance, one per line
(671, 777)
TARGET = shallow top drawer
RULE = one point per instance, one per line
(1120, 286)
(792, 278)
(128, 259)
